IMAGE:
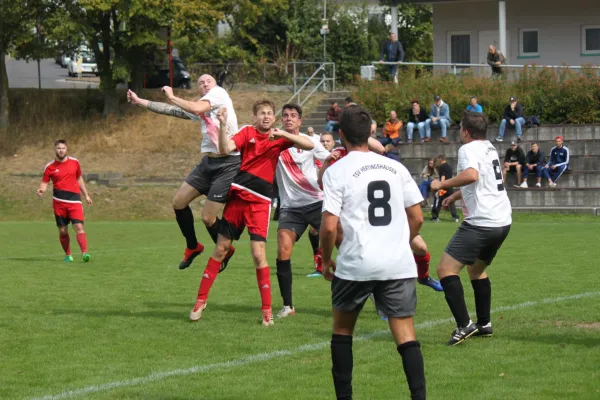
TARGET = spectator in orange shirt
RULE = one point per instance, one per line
(391, 131)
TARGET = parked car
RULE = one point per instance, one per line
(160, 78)
(63, 60)
(84, 62)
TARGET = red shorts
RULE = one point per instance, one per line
(239, 214)
(67, 212)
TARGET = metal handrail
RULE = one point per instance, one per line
(486, 65)
(321, 82)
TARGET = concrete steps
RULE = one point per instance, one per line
(316, 119)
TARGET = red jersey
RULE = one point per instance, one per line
(343, 152)
(64, 177)
(259, 160)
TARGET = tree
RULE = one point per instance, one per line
(415, 30)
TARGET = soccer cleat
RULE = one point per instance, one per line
(484, 331)
(523, 185)
(69, 258)
(432, 283)
(314, 274)
(538, 185)
(230, 254)
(87, 257)
(196, 312)
(286, 311)
(189, 255)
(499, 139)
(459, 335)
(267, 317)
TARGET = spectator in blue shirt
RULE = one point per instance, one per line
(439, 115)
(558, 163)
(474, 106)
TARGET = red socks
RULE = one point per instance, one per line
(65, 242)
(263, 277)
(208, 278)
(82, 240)
(423, 265)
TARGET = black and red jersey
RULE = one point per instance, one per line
(343, 152)
(259, 160)
(64, 175)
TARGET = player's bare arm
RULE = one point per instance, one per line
(300, 142)
(42, 188)
(328, 232)
(466, 177)
(158, 107)
(83, 188)
(195, 107)
(448, 201)
(326, 164)
(226, 145)
(414, 215)
(375, 146)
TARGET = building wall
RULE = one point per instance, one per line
(559, 23)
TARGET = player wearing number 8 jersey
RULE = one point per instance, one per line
(376, 200)
(486, 225)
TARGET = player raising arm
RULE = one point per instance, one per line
(486, 225)
(376, 201)
(249, 203)
(68, 184)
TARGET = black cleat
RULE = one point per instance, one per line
(461, 334)
(189, 255)
(484, 331)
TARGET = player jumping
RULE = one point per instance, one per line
(249, 203)
(213, 176)
(68, 184)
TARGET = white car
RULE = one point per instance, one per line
(84, 63)
(64, 60)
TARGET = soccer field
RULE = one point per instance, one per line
(118, 328)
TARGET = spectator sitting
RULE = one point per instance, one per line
(513, 113)
(445, 172)
(391, 131)
(474, 106)
(558, 163)
(428, 174)
(439, 115)
(393, 52)
(327, 141)
(534, 161)
(333, 117)
(514, 161)
(349, 102)
(391, 152)
(416, 118)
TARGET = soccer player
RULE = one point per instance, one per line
(328, 141)
(249, 201)
(68, 184)
(377, 201)
(301, 202)
(487, 222)
(213, 176)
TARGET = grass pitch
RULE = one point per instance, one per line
(117, 328)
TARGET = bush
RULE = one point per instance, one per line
(554, 96)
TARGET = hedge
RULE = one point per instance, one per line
(555, 96)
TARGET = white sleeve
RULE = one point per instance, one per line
(467, 159)
(332, 193)
(410, 190)
(319, 152)
(215, 98)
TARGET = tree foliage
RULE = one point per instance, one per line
(415, 29)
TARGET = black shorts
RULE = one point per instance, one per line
(395, 298)
(297, 219)
(470, 243)
(213, 177)
(513, 169)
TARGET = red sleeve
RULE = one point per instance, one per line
(78, 172)
(285, 144)
(241, 138)
(46, 176)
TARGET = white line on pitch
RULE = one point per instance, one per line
(256, 358)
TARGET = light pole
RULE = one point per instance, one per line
(324, 32)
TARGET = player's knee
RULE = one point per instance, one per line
(259, 258)
(179, 202)
(63, 230)
(208, 219)
(221, 250)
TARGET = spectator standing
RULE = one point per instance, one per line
(534, 161)
(439, 116)
(558, 162)
(391, 131)
(392, 51)
(495, 59)
(445, 172)
(513, 114)
(428, 174)
(333, 117)
(416, 118)
(514, 161)
(474, 106)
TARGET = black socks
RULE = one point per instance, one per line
(284, 278)
(185, 219)
(455, 297)
(483, 299)
(213, 230)
(314, 242)
(341, 358)
(412, 361)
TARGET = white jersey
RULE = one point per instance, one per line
(369, 193)
(297, 175)
(217, 97)
(485, 202)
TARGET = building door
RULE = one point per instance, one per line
(459, 48)
(485, 39)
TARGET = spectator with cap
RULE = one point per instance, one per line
(474, 106)
(558, 162)
(514, 161)
(333, 117)
(391, 131)
(439, 116)
(534, 161)
(416, 119)
(513, 114)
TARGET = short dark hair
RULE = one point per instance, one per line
(292, 106)
(475, 123)
(262, 103)
(60, 141)
(348, 100)
(440, 157)
(327, 133)
(355, 124)
(415, 101)
(536, 143)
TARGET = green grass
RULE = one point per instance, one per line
(124, 316)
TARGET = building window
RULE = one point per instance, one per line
(529, 42)
(460, 48)
(590, 40)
